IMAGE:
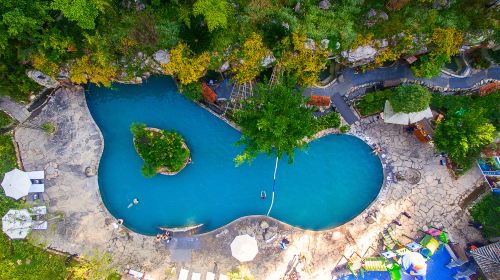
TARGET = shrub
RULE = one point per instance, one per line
(478, 61)
(429, 65)
(410, 98)
(372, 103)
(345, 128)
(486, 212)
(159, 149)
(331, 120)
(192, 91)
(48, 127)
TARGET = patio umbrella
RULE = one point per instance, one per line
(244, 248)
(414, 264)
(404, 118)
(16, 183)
(17, 223)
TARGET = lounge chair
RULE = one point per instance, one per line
(389, 254)
(210, 276)
(183, 275)
(40, 225)
(374, 264)
(38, 181)
(195, 276)
(223, 277)
(136, 274)
(414, 246)
(39, 210)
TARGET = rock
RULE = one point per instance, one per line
(224, 67)
(324, 5)
(362, 53)
(374, 16)
(371, 13)
(222, 233)
(42, 79)
(310, 44)
(161, 57)
(324, 43)
(268, 60)
(264, 225)
(297, 7)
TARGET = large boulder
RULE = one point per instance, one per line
(161, 57)
(42, 79)
(324, 5)
(361, 54)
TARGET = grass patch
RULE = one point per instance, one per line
(486, 212)
(8, 159)
(372, 103)
(5, 119)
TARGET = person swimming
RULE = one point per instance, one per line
(263, 195)
(135, 201)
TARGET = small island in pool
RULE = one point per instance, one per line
(163, 152)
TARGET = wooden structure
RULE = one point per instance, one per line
(320, 101)
(489, 88)
(423, 131)
(239, 93)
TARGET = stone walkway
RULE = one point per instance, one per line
(15, 110)
(77, 144)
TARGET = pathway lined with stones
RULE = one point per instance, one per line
(15, 110)
(77, 144)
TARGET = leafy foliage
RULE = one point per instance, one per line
(215, 12)
(248, 60)
(85, 69)
(96, 267)
(373, 102)
(486, 212)
(447, 41)
(185, 65)
(83, 12)
(330, 120)
(192, 91)
(462, 135)
(5, 119)
(429, 65)
(305, 61)
(8, 160)
(410, 98)
(159, 149)
(275, 120)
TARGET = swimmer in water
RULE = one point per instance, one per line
(135, 201)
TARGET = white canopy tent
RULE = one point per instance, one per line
(244, 248)
(17, 223)
(404, 118)
(16, 183)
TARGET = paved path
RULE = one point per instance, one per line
(344, 109)
(15, 110)
(350, 79)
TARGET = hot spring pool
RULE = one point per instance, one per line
(329, 183)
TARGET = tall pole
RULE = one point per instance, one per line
(274, 184)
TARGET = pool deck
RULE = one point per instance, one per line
(87, 225)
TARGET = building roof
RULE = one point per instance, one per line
(488, 259)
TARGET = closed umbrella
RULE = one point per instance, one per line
(16, 184)
(17, 223)
(404, 118)
(244, 248)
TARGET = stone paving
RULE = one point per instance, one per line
(15, 110)
(77, 144)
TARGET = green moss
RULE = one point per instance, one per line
(163, 149)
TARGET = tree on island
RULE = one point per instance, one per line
(410, 98)
(274, 121)
(462, 135)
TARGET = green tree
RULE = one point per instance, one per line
(83, 12)
(410, 98)
(275, 120)
(215, 12)
(462, 135)
(429, 65)
(486, 212)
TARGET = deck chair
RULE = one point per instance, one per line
(374, 264)
(210, 276)
(40, 225)
(195, 276)
(183, 275)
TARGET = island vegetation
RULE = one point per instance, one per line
(163, 151)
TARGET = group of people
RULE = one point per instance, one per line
(166, 236)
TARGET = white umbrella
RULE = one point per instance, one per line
(244, 248)
(17, 223)
(404, 118)
(16, 183)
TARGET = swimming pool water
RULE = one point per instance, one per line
(329, 183)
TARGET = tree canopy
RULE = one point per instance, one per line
(274, 120)
(410, 98)
(462, 135)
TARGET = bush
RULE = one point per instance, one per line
(345, 128)
(192, 91)
(410, 98)
(5, 119)
(486, 212)
(48, 127)
(159, 149)
(8, 159)
(331, 120)
(429, 65)
(478, 61)
(372, 103)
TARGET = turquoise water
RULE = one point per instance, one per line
(329, 183)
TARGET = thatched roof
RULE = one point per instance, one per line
(488, 259)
